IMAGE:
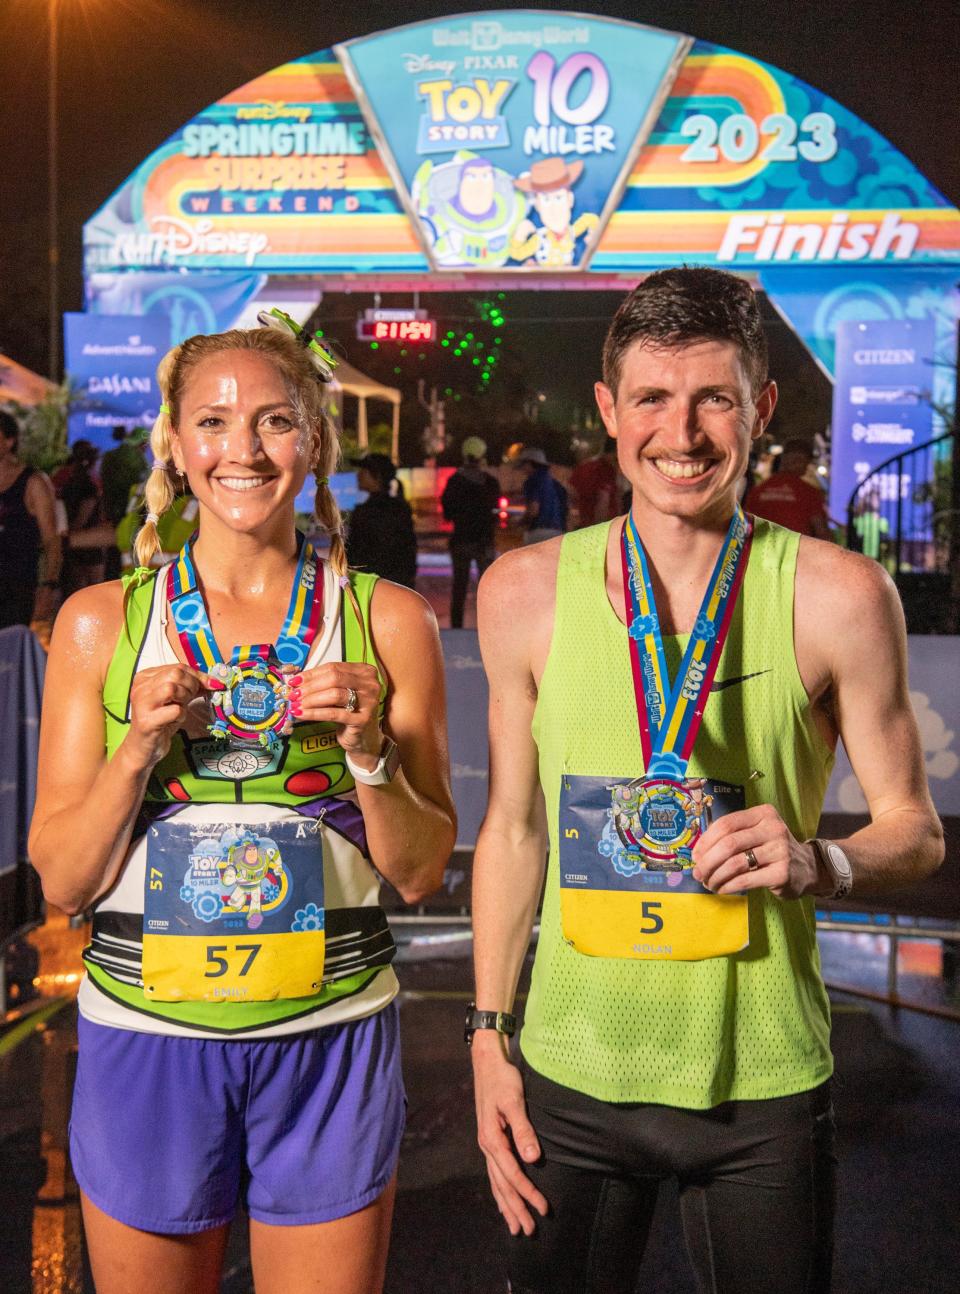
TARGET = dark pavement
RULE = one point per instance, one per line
(898, 1114)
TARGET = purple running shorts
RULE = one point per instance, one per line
(170, 1134)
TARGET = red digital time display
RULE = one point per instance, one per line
(412, 330)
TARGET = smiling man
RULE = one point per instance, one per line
(666, 693)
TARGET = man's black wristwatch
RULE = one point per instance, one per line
(502, 1021)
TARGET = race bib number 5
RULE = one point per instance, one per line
(626, 883)
(233, 913)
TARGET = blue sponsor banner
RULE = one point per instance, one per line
(467, 726)
(112, 363)
(881, 407)
(513, 133)
(188, 301)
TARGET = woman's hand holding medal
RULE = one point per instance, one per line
(162, 700)
(345, 694)
(754, 849)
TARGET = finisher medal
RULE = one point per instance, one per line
(660, 817)
(658, 821)
(250, 704)
(253, 705)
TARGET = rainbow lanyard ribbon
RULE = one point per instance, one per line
(669, 724)
(193, 623)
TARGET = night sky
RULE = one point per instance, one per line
(132, 71)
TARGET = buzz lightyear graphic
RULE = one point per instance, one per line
(249, 863)
(241, 874)
(469, 209)
(557, 241)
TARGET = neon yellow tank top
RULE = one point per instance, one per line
(748, 1026)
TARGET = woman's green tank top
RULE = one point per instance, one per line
(752, 1025)
(310, 766)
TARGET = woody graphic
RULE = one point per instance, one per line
(549, 188)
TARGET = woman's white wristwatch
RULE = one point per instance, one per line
(837, 866)
(383, 771)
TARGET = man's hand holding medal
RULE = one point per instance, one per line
(752, 849)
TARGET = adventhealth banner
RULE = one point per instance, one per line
(881, 407)
(111, 363)
(511, 135)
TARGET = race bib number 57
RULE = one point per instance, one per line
(233, 913)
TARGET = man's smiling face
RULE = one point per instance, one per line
(684, 418)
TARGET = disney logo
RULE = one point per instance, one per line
(416, 63)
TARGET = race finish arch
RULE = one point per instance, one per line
(542, 149)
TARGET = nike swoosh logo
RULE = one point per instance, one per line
(719, 684)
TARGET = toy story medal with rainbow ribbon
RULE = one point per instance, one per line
(661, 815)
(627, 888)
(250, 701)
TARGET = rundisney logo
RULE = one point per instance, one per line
(460, 771)
(651, 691)
(171, 239)
(271, 109)
(463, 662)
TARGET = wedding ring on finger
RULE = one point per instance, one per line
(351, 701)
(752, 863)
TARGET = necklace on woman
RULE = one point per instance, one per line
(250, 702)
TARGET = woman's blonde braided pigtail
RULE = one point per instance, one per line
(158, 491)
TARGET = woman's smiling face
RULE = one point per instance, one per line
(239, 439)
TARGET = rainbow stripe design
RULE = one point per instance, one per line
(193, 624)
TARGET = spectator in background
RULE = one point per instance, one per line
(28, 529)
(174, 527)
(79, 492)
(120, 470)
(469, 500)
(870, 525)
(545, 516)
(595, 482)
(381, 538)
(787, 498)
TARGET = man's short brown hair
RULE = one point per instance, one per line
(674, 308)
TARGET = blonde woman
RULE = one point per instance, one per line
(234, 751)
